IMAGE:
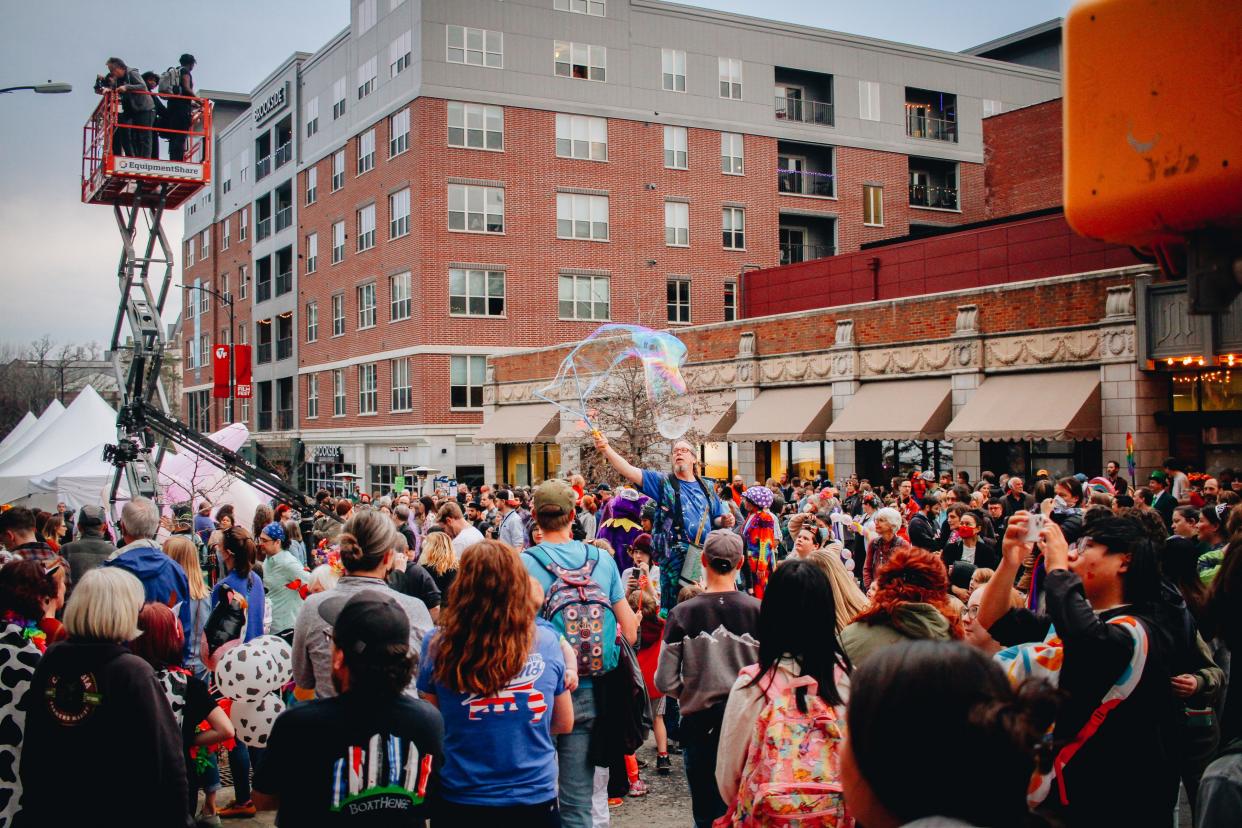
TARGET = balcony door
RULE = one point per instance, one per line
(793, 96)
(793, 245)
(790, 169)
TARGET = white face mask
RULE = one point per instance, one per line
(1060, 502)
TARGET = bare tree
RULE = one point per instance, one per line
(626, 413)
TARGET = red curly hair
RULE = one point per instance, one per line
(912, 575)
(488, 625)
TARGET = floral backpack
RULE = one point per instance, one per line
(792, 773)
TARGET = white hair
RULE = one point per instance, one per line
(104, 605)
(141, 518)
(890, 516)
(324, 576)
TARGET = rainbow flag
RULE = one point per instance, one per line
(1130, 456)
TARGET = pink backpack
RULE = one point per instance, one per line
(792, 773)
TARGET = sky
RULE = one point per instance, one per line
(58, 257)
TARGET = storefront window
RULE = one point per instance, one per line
(529, 465)
(901, 457)
(1185, 392)
(382, 477)
(1221, 390)
(806, 460)
(321, 476)
(716, 463)
(776, 465)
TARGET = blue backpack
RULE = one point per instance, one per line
(579, 608)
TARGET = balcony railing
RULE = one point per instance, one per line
(924, 195)
(263, 290)
(284, 420)
(805, 183)
(284, 282)
(794, 253)
(804, 110)
(262, 167)
(262, 228)
(284, 348)
(284, 154)
(284, 218)
(265, 353)
(937, 129)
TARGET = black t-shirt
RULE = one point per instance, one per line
(416, 582)
(353, 760)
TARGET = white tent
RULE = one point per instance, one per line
(87, 422)
(83, 481)
(23, 425)
(50, 415)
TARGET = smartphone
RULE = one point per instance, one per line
(1035, 525)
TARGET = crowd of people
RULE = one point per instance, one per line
(505, 655)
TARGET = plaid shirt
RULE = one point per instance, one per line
(36, 551)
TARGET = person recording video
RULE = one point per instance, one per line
(137, 109)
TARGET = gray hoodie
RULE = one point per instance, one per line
(911, 620)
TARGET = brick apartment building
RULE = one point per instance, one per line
(447, 181)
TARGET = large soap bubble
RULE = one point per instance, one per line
(585, 371)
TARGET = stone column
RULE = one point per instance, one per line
(844, 356)
(967, 368)
(490, 410)
(747, 386)
(1129, 396)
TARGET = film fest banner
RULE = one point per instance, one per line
(241, 371)
(220, 365)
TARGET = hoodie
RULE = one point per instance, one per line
(913, 620)
(163, 579)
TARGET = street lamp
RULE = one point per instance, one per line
(226, 299)
(48, 88)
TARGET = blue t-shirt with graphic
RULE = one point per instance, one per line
(499, 749)
(693, 504)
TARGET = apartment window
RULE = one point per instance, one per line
(399, 55)
(368, 389)
(731, 78)
(243, 334)
(366, 228)
(263, 341)
(873, 205)
(205, 243)
(398, 133)
(368, 77)
(594, 7)
(224, 233)
(243, 282)
(676, 224)
(580, 60)
(400, 369)
(284, 335)
(731, 153)
(676, 148)
(476, 292)
(366, 15)
(338, 242)
(475, 47)
(673, 70)
(868, 100)
(399, 213)
(338, 170)
(338, 98)
(338, 314)
(730, 301)
(581, 216)
(312, 396)
(733, 223)
(189, 250)
(476, 209)
(992, 107)
(678, 300)
(224, 291)
(366, 305)
(227, 176)
(578, 136)
(399, 293)
(338, 392)
(243, 223)
(312, 252)
(312, 185)
(582, 296)
(366, 151)
(476, 126)
(312, 321)
(466, 381)
(204, 299)
(312, 117)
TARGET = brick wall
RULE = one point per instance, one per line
(1002, 309)
(1022, 159)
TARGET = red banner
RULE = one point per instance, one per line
(220, 372)
(241, 370)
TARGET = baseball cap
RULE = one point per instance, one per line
(1158, 474)
(555, 497)
(506, 496)
(274, 531)
(603, 487)
(91, 516)
(366, 623)
(183, 515)
(723, 550)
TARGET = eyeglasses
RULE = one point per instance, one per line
(970, 613)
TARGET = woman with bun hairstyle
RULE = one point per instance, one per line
(366, 543)
(906, 692)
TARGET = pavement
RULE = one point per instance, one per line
(666, 806)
